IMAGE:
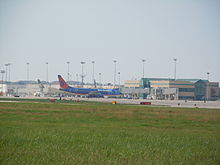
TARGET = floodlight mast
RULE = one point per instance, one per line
(119, 76)
(2, 72)
(100, 82)
(143, 60)
(93, 72)
(208, 76)
(82, 76)
(175, 60)
(46, 72)
(9, 72)
(6, 72)
(207, 97)
(68, 71)
(77, 77)
(28, 70)
(114, 72)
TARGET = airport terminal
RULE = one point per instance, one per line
(145, 88)
(179, 89)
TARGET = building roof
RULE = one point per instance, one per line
(191, 80)
(170, 79)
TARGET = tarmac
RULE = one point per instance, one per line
(167, 103)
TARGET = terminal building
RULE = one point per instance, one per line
(42, 89)
(24, 89)
(146, 88)
(179, 89)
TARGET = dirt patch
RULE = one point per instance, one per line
(8, 101)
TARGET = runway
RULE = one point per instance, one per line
(169, 103)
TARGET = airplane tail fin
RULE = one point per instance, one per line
(95, 83)
(40, 84)
(62, 82)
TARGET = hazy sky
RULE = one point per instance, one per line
(57, 31)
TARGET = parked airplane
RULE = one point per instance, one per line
(93, 92)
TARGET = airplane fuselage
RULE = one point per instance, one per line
(87, 91)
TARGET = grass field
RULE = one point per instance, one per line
(97, 133)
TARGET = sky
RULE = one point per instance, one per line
(57, 31)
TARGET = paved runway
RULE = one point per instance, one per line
(170, 103)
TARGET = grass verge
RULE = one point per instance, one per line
(97, 133)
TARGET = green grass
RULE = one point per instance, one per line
(97, 133)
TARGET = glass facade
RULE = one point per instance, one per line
(186, 89)
(200, 90)
(194, 89)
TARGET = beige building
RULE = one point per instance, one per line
(132, 83)
(3, 89)
(185, 88)
(212, 91)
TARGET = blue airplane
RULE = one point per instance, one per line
(93, 92)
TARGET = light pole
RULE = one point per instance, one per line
(68, 70)
(2, 72)
(208, 76)
(6, 72)
(9, 74)
(114, 72)
(175, 59)
(46, 72)
(82, 76)
(27, 71)
(143, 60)
(119, 79)
(207, 98)
(77, 77)
(93, 72)
(100, 82)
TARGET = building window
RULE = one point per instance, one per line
(186, 89)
